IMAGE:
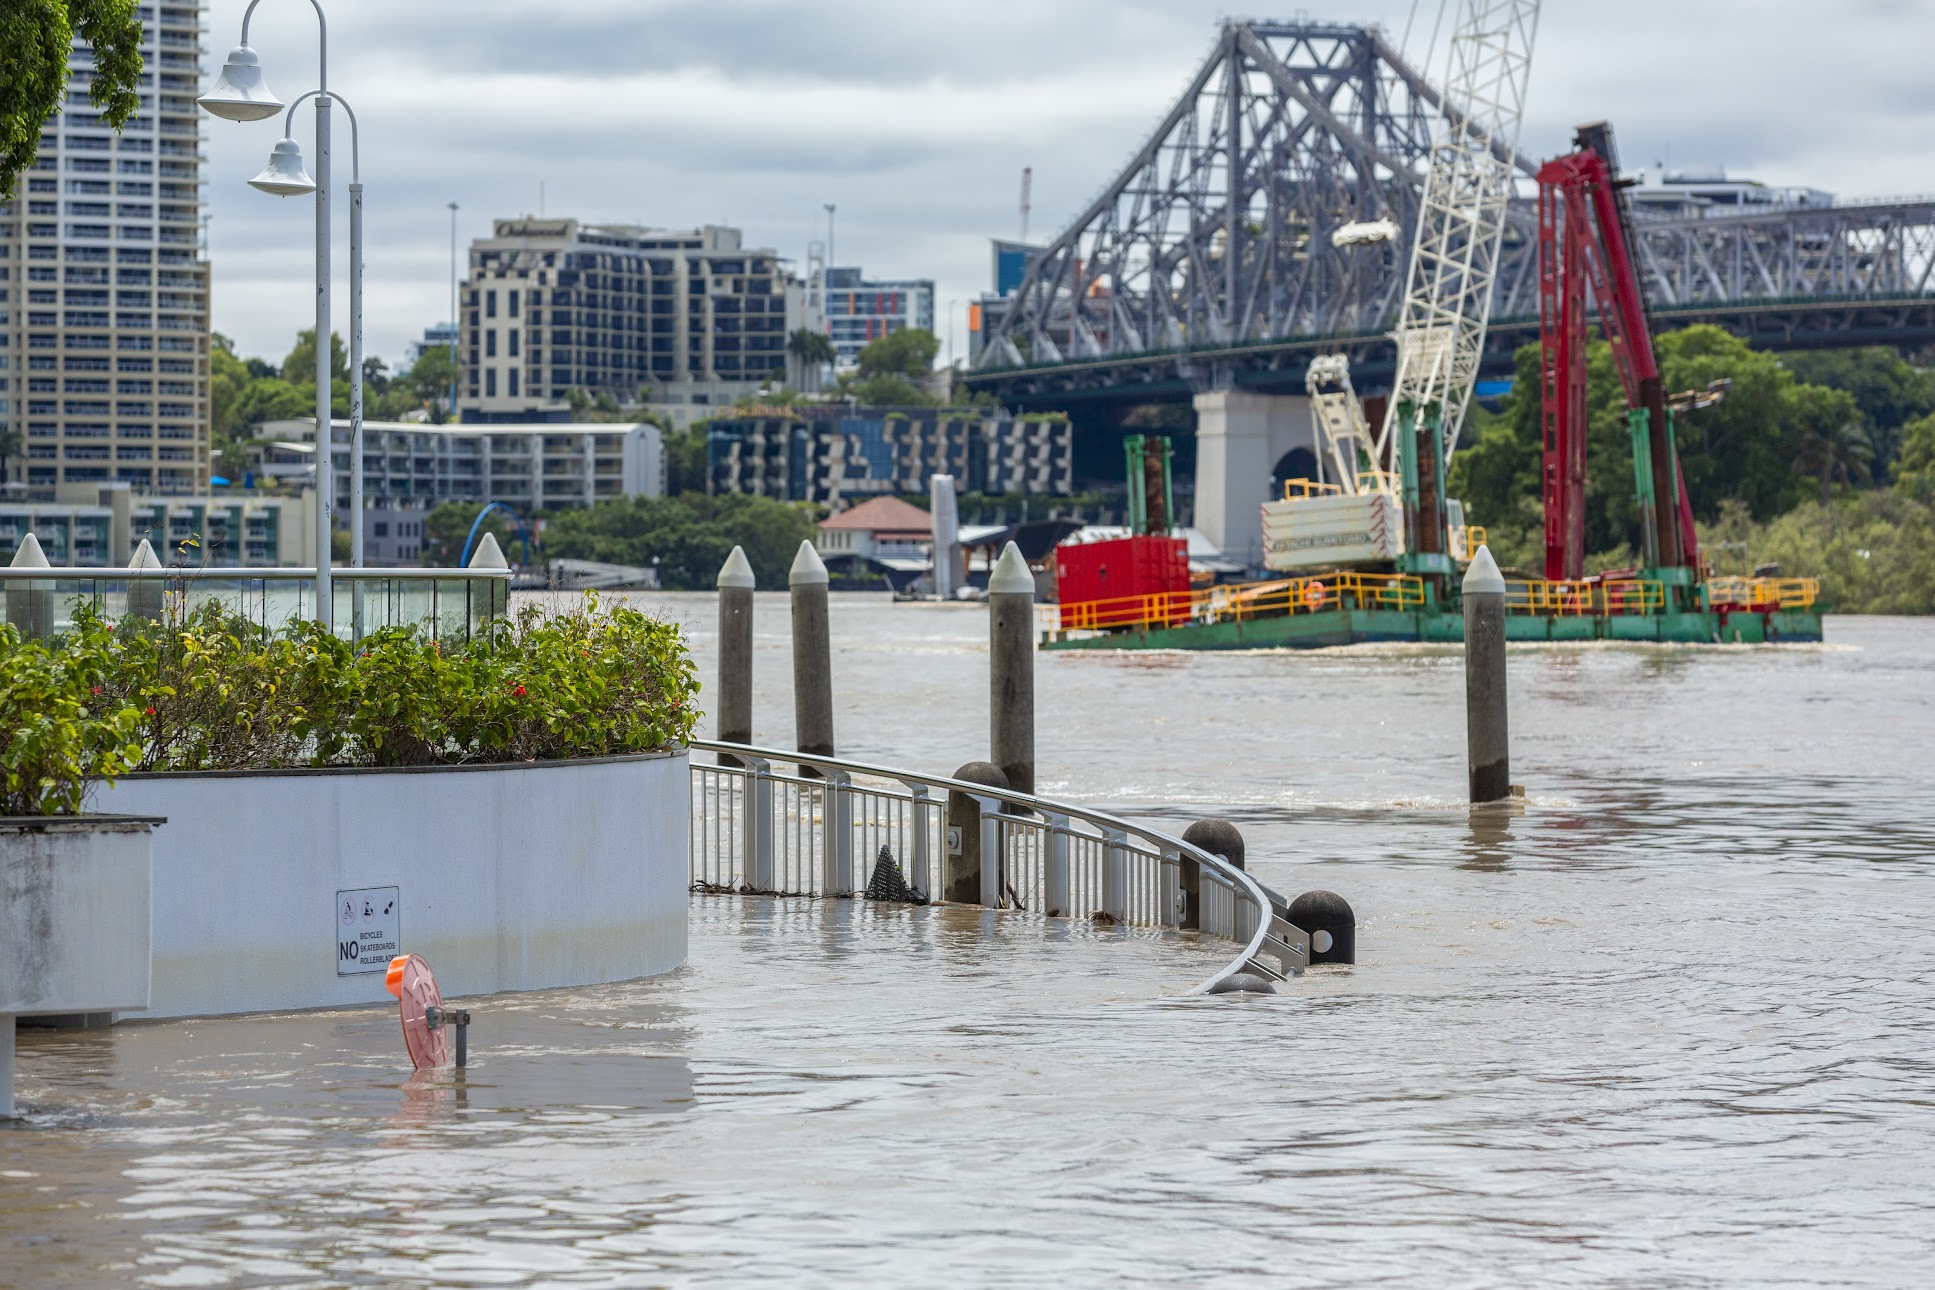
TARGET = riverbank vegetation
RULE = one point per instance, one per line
(1822, 464)
(211, 692)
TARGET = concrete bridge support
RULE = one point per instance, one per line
(1240, 437)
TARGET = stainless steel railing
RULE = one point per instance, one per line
(757, 830)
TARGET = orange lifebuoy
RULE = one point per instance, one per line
(1313, 596)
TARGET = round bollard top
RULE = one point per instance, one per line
(1331, 923)
(737, 572)
(1218, 837)
(1011, 574)
(28, 554)
(808, 569)
(144, 557)
(1483, 578)
(983, 772)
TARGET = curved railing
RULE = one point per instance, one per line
(819, 831)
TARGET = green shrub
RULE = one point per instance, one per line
(214, 692)
(58, 728)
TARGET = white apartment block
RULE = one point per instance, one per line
(693, 317)
(104, 327)
(531, 466)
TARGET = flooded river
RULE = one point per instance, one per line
(1672, 1025)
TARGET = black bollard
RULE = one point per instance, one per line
(1243, 983)
(1219, 838)
(961, 868)
(1327, 917)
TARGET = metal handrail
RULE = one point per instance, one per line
(108, 573)
(1269, 907)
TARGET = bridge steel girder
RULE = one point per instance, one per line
(1207, 262)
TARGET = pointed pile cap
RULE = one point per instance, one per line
(488, 554)
(30, 556)
(1483, 577)
(808, 568)
(144, 557)
(737, 571)
(1011, 573)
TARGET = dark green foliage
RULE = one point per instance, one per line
(908, 352)
(35, 37)
(686, 467)
(210, 692)
(687, 536)
(447, 526)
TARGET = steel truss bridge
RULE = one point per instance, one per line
(1208, 262)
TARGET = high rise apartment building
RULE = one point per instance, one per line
(859, 311)
(104, 327)
(693, 318)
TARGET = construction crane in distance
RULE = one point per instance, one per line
(1441, 328)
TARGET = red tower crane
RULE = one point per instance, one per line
(1585, 242)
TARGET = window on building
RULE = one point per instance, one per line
(513, 389)
(511, 302)
(490, 343)
(490, 304)
(513, 339)
(490, 382)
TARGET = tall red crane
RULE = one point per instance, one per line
(1585, 243)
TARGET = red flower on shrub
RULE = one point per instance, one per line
(150, 710)
(519, 692)
(97, 689)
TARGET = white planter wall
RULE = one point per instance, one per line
(520, 877)
(74, 900)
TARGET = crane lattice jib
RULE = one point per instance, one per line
(1461, 222)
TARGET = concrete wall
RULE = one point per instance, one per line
(508, 878)
(74, 900)
(1240, 437)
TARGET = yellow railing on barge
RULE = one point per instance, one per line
(1241, 602)
(1763, 594)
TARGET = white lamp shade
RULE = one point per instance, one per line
(238, 93)
(284, 175)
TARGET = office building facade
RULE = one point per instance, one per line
(835, 456)
(104, 327)
(688, 319)
(859, 312)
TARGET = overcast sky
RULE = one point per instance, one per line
(916, 120)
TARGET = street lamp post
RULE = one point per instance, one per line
(455, 330)
(239, 94)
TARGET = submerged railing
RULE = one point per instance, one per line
(818, 831)
(450, 604)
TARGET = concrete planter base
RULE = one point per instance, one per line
(75, 893)
(289, 889)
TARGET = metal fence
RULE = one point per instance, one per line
(450, 604)
(818, 830)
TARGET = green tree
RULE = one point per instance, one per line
(908, 352)
(36, 37)
(686, 467)
(1827, 438)
(1889, 391)
(887, 391)
(299, 367)
(447, 526)
(1915, 472)
(11, 446)
(687, 537)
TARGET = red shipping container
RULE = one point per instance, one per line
(1107, 584)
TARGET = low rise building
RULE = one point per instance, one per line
(101, 525)
(529, 466)
(837, 455)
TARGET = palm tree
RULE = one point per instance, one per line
(812, 350)
(1836, 453)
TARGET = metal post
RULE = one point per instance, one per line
(920, 871)
(1115, 877)
(325, 431)
(356, 405)
(990, 851)
(1487, 735)
(812, 657)
(836, 835)
(1011, 669)
(6, 1066)
(1055, 868)
(735, 649)
(756, 865)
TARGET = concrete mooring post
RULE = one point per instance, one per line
(1487, 736)
(145, 595)
(736, 584)
(1011, 669)
(964, 880)
(812, 655)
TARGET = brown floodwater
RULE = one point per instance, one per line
(1672, 1024)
